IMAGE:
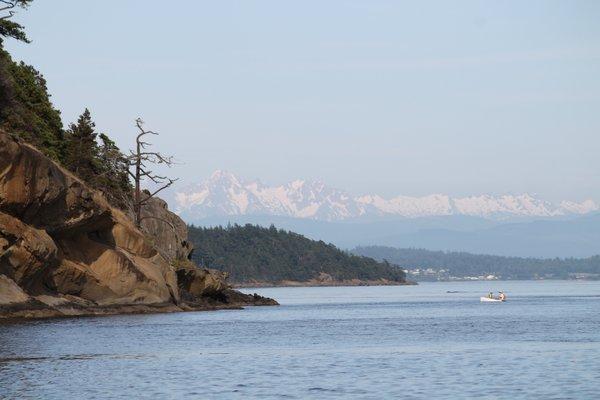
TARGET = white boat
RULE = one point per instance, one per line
(493, 300)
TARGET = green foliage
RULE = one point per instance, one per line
(270, 255)
(10, 28)
(25, 107)
(113, 178)
(82, 152)
(462, 264)
(26, 111)
(102, 166)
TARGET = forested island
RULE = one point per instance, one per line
(258, 256)
(424, 264)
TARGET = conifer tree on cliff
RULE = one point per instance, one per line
(82, 153)
(113, 178)
(139, 170)
(102, 166)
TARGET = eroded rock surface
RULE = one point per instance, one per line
(169, 235)
(65, 251)
(168, 232)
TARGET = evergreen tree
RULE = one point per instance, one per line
(102, 166)
(82, 155)
(10, 28)
(114, 178)
(252, 252)
(26, 109)
(27, 112)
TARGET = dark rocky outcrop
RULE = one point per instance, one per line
(65, 251)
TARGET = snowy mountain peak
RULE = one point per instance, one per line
(225, 194)
(584, 207)
(220, 177)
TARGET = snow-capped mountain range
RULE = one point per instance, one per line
(225, 194)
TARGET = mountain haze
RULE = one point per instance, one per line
(225, 194)
(510, 225)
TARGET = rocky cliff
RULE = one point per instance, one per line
(65, 251)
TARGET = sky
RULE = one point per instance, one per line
(387, 97)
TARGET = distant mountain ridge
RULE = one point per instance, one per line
(225, 194)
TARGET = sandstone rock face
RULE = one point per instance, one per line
(10, 292)
(169, 235)
(27, 254)
(200, 282)
(57, 236)
(168, 232)
(65, 251)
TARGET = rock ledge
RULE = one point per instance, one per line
(65, 251)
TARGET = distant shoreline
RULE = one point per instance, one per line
(533, 279)
(283, 284)
(315, 283)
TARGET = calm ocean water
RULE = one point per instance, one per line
(360, 342)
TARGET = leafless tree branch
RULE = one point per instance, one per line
(136, 159)
(9, 5)
(10, 15)
(151, 195)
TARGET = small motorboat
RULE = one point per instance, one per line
(491, 300)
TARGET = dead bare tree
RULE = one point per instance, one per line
(137, 161)
(9, 5)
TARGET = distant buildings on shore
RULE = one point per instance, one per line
(431, 274)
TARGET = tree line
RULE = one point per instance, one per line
(251, 252)
(461, 264)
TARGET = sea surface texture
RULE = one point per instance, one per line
(419, 342)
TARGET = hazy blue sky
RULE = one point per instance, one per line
(391, 97)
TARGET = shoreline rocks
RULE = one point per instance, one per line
(65, 251)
